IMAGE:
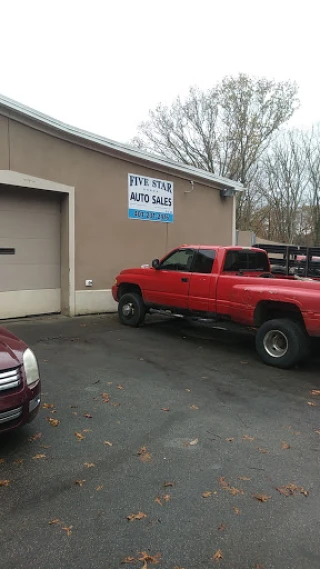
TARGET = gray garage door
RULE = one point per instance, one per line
(29, 252)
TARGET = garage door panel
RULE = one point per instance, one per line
(21, 200)
(40, 251)
(35, 277)
(28, 225)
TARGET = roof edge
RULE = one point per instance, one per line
(83, 135)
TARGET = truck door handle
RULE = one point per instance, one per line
(184, 279)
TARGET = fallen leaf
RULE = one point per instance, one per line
(48, 406)
(291, 489)
(263, 450)
(223, 482)
(147, 558)
(79, 436)
(194, 442)
(317, 432)
(56, 521)
(89, 464)
(167, 497)
(74, 413)
(315, 392)
(107, 443)
(68, 530)
(164, 409)
(284, 445)
(4, 482)
(188, 390)
(105, 397)
(44, 446)
(79, 482)
(18, 461)
(146, 457)
(168, 484)
(98, 488)
(158, 500)
(243, 362)
(115, 404)
(230, 440)
(247, 438)
(261, 497)
(53, 411)
(283, 491)
(243, 478)
(141, 450)
(138, 516)
(222, 527)
(87, 430)
(311, 403)
(234, 491)
(218, 555)
(36, 437)
(194, 407)
(53, 422)
(110, 382)
(38, 456)
(87, 415)
(120, 387)
(128, 560)
(236, 510)
(206, 494)
(2, 461)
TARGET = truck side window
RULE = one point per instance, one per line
(178, 261)
(246, 261)
(203, 261)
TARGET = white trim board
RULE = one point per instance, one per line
(12, 178)
(94, 302)
(20, 303)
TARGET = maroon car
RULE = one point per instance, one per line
(19, 382)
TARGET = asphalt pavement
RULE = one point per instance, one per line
(168, 446)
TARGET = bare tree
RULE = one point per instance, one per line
(224, 130)
(311, 145)
(285, 182)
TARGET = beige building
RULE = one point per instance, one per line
(65, 230)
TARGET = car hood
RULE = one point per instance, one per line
(137, 270)
(11, 350)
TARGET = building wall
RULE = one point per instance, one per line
(105, 239)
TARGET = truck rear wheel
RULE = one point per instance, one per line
(131, 310)
(282, 343)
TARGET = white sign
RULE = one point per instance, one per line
(150, 198)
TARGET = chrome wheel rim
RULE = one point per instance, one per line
(128, 310)
(276, 343)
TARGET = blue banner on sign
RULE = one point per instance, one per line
(150, 215)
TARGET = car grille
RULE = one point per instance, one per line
(10, 379)
(11, 415)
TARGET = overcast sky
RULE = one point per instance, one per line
(101, 65)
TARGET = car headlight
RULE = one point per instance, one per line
(31, 367)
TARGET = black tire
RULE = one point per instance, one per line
(131, 310)
(282, 343)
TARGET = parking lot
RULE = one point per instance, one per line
(168, 446)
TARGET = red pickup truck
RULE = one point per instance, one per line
(226, 283)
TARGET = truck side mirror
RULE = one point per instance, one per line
(156, 264)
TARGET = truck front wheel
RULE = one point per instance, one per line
(281, 343)
(131, 310)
